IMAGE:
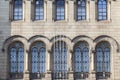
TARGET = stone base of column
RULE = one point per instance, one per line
(48, 75)
(71, 75)
(27, 75)
(93, 75)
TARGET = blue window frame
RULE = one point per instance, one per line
(103, 60)
(60, 60)
(102, 10)
(81, 60)
(60, 9)
(17, 10)
(16, 60)
(39, 9)
(38, 56)
(81, 9)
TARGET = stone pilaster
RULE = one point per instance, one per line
(48, 75)
(49, 11)
(71, 75)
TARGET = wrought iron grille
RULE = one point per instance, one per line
(81, 60)
(39, 9)
(17, 13)
(38, 60)
(60, 61)
(81, 9)
(103, 60)
(102, 9)
(16, 60)
(60, 9)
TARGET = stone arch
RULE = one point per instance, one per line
(38, 38)
(63, 38)
(114, 44)
(84, 39)
(12, 39)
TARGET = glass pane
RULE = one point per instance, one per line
(20, 60)
(34, 60)
(13, 60)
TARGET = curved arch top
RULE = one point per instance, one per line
(12, 39)
(108, 39)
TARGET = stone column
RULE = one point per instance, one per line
(48, 75)
(71, 75)
(93, 73)
(49, 11)
(26, 63)
(71, 15)
(70, 72)
(27, 11)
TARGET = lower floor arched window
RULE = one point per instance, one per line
(38, 58)
(59, 60)
(16, 52)
(102, 60)
(81, 60)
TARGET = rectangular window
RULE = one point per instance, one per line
(102, 10)
(39, 9)
(60, 9)
(81, 9)
(17, 11)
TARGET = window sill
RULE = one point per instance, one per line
(39, 21)
(60, 21)
(103, 21)
(82, 21)
(17, 21)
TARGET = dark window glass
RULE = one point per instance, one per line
(38, 60)
(60, 60)
(39, 9)
(60, 9)
(103, 60)
(81, 60)
(81, 9)
(102, 9)
(17, 12)
(16, 60)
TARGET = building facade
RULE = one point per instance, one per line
(59, 40)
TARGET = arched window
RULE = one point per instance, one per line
(102, 9)
(38, 55)
(60, 9)
(102, 60)
(81, 60)
(16, 56)
(17, 10)
(60, 60)
(39, 9)
(81, 9)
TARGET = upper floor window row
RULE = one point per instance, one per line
(60, 9)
